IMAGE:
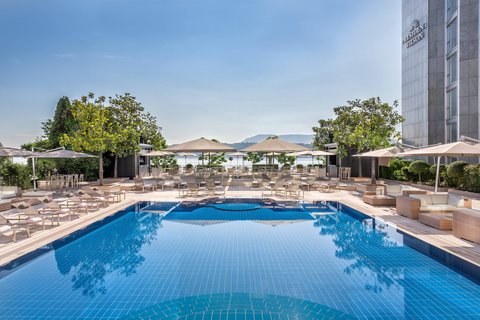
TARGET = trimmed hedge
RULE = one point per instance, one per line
(459, 174)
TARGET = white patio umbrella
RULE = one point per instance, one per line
(185, 155)
(201, 145)
(312, 153)
(382, 154)
(238, 155)
(274, 147)
(454, 149)
(159, 153)
(57, 154)
(16, 153)
(63, 154)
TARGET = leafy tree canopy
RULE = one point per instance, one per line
(362, 124)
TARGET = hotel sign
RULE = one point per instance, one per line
(417, 33)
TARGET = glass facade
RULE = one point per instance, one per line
(452, 35)
(452, 132)
(441, 71)
(452, 103)
(452, 6)
(451, 69)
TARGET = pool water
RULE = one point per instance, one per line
(235, 259)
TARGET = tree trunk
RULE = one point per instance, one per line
(100, 168)
(115, 174)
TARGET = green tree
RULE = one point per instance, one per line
(61, 123)
(362, 125)
(284, 159)
(254, 157)
(126, 117)
(419, 167)
(151, 132)
(323, 134)
(94, 128)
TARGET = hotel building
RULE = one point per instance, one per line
(440, 70)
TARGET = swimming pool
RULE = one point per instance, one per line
(235, 259)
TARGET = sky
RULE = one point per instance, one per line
(216, 69)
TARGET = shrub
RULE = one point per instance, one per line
(189, 166)
(455, 173)
(471, 178)
(299, 166)
(419, 167)
(16, 174)
(433, 172)
(433, 169)
(394, 171)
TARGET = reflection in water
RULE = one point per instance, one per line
(103, 252)
(364, 244)
(237, 306)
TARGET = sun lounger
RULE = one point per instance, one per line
(330, 186)
(14, 221)
(140, 184)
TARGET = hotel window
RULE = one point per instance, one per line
(452, 103)
(452, 35)
(451, 132)
(452, 6)
(452, 69)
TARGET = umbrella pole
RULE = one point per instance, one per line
(33, 169)
(373, 169)
(437, 175)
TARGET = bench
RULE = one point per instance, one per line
(466, 224)
(379, 200)
(437, 221)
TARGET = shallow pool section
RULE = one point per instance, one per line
(235, 259)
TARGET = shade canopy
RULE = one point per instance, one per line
(160, 153)
(63, 154)
(454, 149)
(16, 153)
(275, 146)
(200, 145)
(238, 154)
(319, 153)
(382, 153)
(186, 154)
(313, 153)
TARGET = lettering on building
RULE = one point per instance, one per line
(416, 33)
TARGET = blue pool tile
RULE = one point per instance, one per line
(237, 261)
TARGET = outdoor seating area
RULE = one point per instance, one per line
(59, 182)
(25, 215)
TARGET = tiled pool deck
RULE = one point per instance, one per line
(442, 239)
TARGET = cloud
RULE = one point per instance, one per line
(108, 56)
(65, 55)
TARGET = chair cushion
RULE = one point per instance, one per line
(438, 208)
(455, 201)
(5, 228)
(425, 199)
(439, 198)
(394, 189)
